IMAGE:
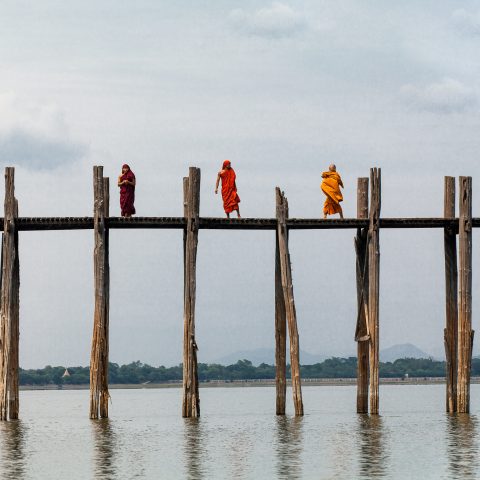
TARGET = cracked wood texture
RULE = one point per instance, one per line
(99, 395)
(191, 398)
(9, 311)
(465, 332)
(451, 298)
(361, 332)
(374, 285)
(289, 301)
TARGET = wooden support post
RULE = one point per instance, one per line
(9, 309)
(280, 336)
(362, 332)
(191, 398)
(99, 395)
(451, 289)
(374, 285)
(465, 332)
(289, 301)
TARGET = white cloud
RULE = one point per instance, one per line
(446, 96)
(467, 22)
(34, 136)
(278, 20)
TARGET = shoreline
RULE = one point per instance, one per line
(314, 382)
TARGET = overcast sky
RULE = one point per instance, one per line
(282, 89)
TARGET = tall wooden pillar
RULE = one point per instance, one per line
(280, 336)
(289, 301)
(374, 285)
(9, 309)
(465, 332)
(362, 332)
(451, 289)
(191, 398)
(99, 395)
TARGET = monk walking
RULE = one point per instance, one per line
(331, 188)
(127, 182)
(229, 188)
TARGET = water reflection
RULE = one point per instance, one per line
(289, 447)
(462, 445)
(104, 449)
(193, 448)
(373, 451)
(12, 439)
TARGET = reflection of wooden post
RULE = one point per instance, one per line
(280, 335)
(287, 287)
(451, 289)
(9, 309)
(99, 357)
(361, 331)
(191, 399)
(465, 332)
(374, 285)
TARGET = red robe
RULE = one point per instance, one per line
(229, 190)
(127, 194)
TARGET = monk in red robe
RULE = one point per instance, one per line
(331, 188)
(127, 182)
(229, 188)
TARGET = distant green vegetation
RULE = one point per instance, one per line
(138, 373)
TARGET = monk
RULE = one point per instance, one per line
(127, 182)
(331, 188)
(229, 188)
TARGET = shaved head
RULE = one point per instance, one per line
(332, 167)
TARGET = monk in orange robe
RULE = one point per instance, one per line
(229, 188)
(331, 188)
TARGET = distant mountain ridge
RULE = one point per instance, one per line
(267, 355)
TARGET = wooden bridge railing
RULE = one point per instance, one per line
(458, 332)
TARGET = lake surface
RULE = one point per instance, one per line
(240, 437)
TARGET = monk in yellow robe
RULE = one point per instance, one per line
(331, 188)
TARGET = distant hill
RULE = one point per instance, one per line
(405, 350)
(267, 355)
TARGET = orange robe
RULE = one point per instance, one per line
(331, 188)
(229, 190)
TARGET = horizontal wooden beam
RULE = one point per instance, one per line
(85, 223)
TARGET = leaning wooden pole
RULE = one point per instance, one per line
(9, 309)
(451, 299)
(465, 332)
(191, 398)
(99, 395)
(362, 332)
(374, 285)
(289, 301)
(280, 336)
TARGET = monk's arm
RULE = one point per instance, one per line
(120, 183)
(218, 181)
(340, 183)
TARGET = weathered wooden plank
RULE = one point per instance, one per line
(191, 399)
(287, 287)
(451, 289)
(99, 356)
(465, 332)
(280, 336)
(85, 223)
(9, 305)
(374, 285)
(361, 331)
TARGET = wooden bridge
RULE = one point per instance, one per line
(458, 334)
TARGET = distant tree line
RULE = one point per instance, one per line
(138, 372)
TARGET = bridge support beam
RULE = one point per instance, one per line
(191, 398)
(289, 305)
(99, 395)
(9, 309)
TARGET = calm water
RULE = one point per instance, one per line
(238, 436)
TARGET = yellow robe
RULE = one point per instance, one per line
(331, 188)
